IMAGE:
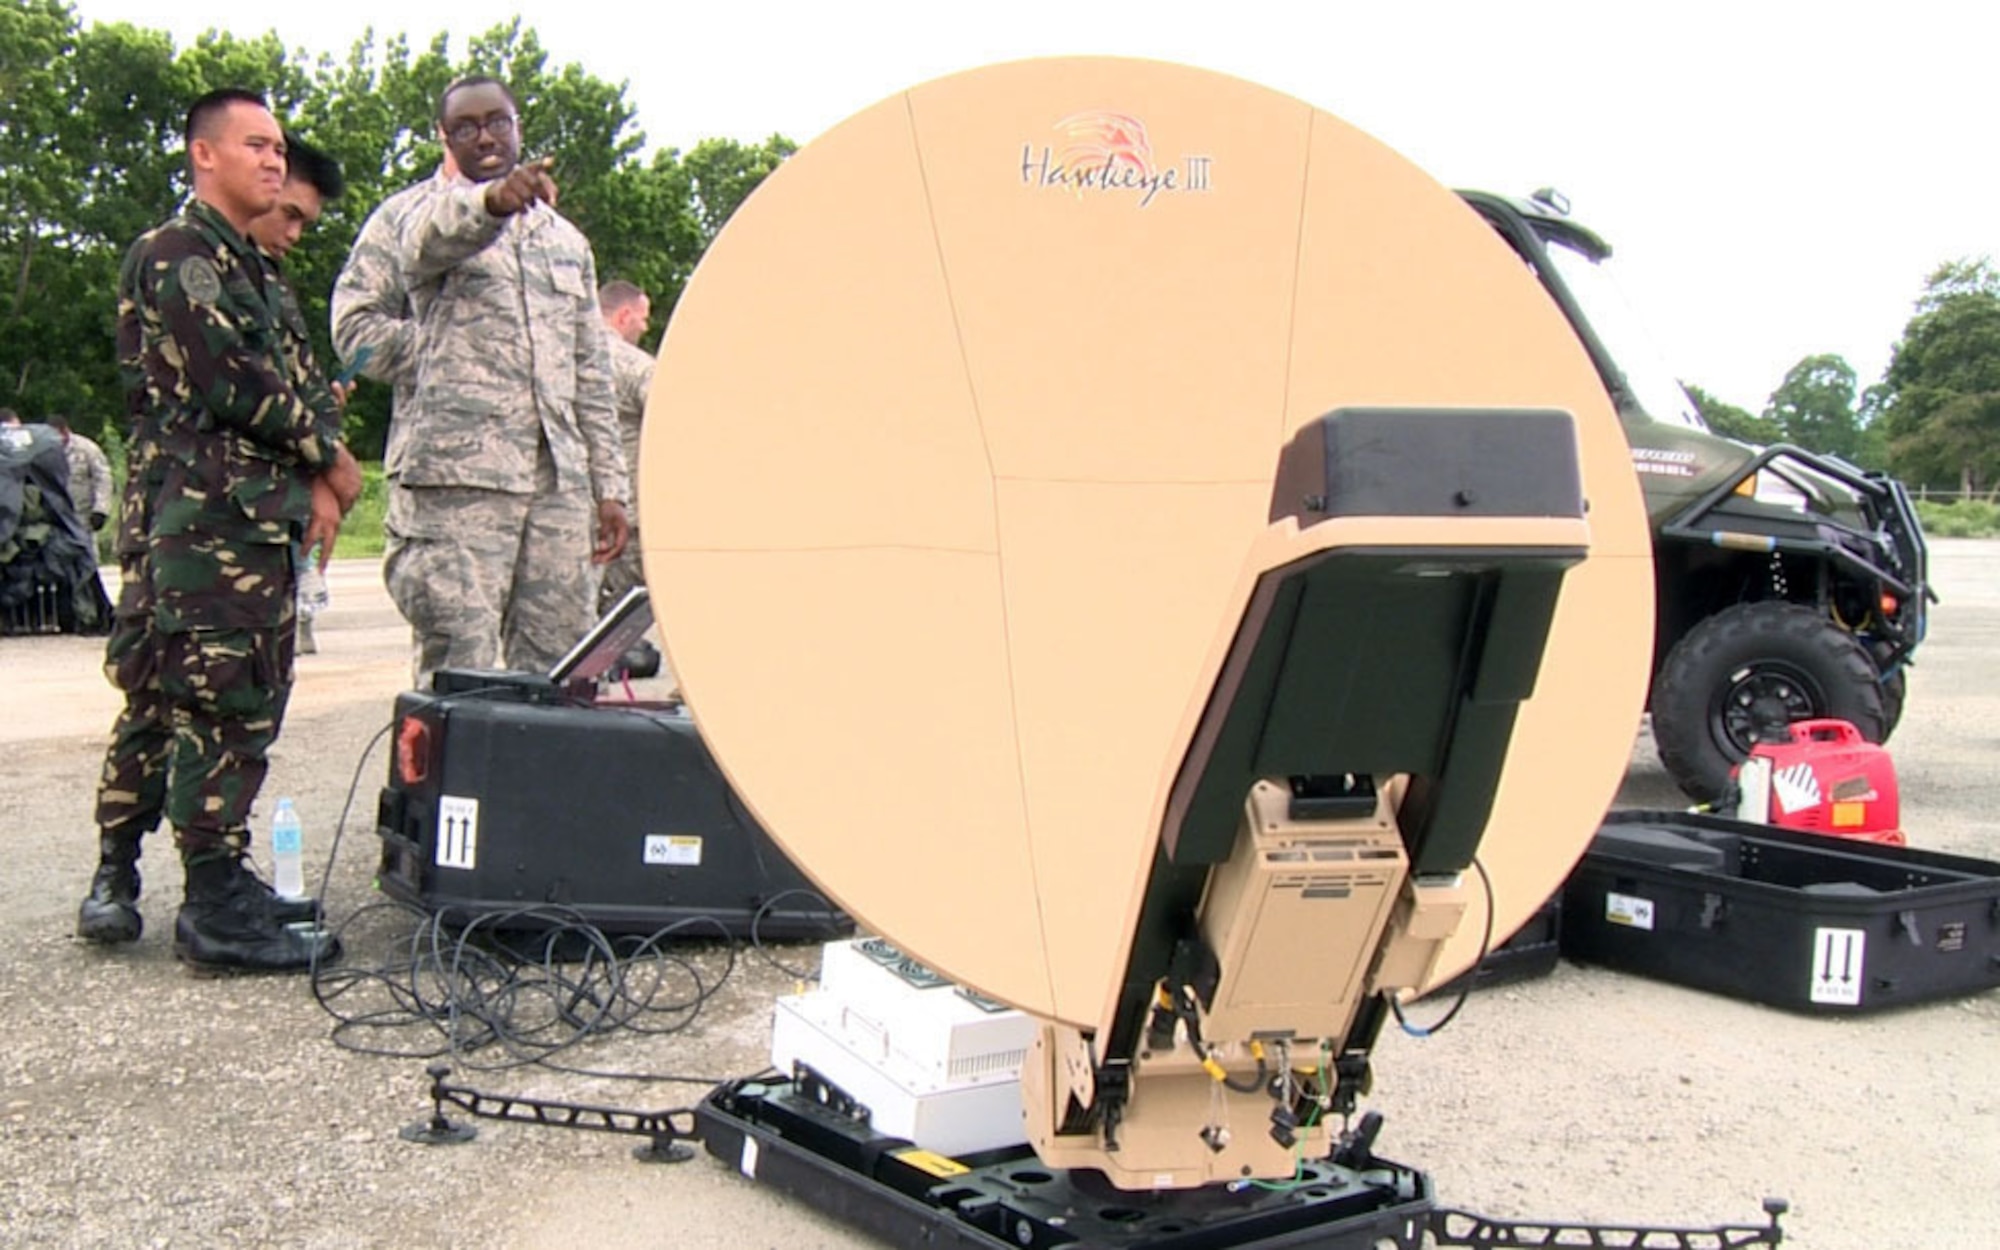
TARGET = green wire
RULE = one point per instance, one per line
(1298, 1149)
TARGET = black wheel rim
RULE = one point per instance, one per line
(1759, 703)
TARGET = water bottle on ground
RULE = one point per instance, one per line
(288, 851)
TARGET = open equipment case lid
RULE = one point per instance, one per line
(960, 454)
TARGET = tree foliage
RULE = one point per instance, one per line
(1939, 401)
(91, 156)
(1813, 407)
(1730, 421)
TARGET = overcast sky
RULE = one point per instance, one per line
(1777, 179)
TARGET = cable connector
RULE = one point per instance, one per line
(1284, 1127)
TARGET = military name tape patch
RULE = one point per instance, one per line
(200, 281)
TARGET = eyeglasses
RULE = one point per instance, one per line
(466, 129)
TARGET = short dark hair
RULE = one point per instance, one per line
(617, 293)
(204, 113)
(308, 164)
(473, 80)
(9, 417)
(59, 421)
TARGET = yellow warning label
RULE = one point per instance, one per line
(1848, 815)
(935, 1164)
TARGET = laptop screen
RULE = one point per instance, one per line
(617, 632)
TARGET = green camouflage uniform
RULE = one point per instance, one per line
(510, 433)
(132, 791)
(231, 420)
(632, 378)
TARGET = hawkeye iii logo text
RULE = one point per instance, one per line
(1109, 153)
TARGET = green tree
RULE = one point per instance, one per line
(90, 145)
(91, 156)
(651, 223)
(1730, 421)
(38, 183)
(1814, 406)
(1940, 397)
(722, 173)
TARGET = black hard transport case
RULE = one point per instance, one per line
(512, 797)
(1803, 921)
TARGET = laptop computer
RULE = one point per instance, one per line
(576, 675)
(600, 650)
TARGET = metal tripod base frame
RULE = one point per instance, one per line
(666, 1132)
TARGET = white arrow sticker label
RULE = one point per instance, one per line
(1838, 966)
(457, 832)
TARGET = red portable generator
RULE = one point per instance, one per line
(1826, 779)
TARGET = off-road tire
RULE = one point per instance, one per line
(1766, 656)
(1894, 690)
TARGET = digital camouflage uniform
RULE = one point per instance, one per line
(90, 487)
(371, 308)
(510, 436)
(232, 419)
(631, 378)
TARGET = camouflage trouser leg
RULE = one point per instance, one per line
(447, 562)
(132, 790)
(483, 574)
(555, 584)
(226, 690)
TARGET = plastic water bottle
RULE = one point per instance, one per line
(314, 595)
(288, 851)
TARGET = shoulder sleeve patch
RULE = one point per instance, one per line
(200, 281)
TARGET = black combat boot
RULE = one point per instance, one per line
(110, 913)
(288, 910)
(230, 923)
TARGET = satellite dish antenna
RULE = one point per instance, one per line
(964, 451)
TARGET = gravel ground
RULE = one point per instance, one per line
(145, 1107)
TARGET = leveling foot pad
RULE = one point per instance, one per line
(820, 1151)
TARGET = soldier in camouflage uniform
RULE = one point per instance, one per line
(235, 451)
(312, 181)
(506, 459)
(90, 487)
(132, 790)
(626, 311)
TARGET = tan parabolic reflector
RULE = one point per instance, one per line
(959, 440)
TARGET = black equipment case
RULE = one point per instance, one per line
(1804, 921)
(505, 793)
(1531, 953)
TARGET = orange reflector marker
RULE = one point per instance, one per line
(413, 750)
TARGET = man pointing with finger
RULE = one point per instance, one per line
(507, 485)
